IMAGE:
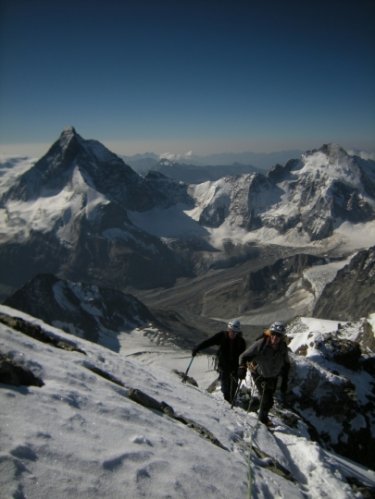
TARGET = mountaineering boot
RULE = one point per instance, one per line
(263, 418)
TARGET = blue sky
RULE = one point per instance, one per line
(208, 76)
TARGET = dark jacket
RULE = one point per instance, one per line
(270, 362)
(228, 352)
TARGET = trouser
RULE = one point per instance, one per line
(229, 383)
(266, 388)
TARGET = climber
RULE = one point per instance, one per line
(267, 359)
(231, 345)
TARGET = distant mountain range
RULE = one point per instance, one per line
(194, 174)
(81, 213)
(213, 164)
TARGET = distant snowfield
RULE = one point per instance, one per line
(80, 435)
(172, 222)
(176, 222)
(347, 237)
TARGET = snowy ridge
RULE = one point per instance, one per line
(83, 433)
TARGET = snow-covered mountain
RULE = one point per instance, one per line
(80, 419)
(84, 215)
(68, 215)
(309, 197)
(85, 166)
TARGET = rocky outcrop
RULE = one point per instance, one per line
(13, 373)
(351, 295)
(331, 386)
(95, 313)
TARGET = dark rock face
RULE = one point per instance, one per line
(345, 352)
(325, 394)
(272, 281)
(331, 386)
(12, 373)
(96, 314)
(351, 295)
(347, 204)
(38, 333)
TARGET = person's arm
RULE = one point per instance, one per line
(214, 340)
(247, 356)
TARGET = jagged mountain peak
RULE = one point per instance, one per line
(332, 162)
(307, 198)
(330, 149)
(67, 133)
(70, 141)
(97, 169)
(333, 150)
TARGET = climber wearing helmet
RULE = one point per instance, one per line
(231, 345)
(267, 359)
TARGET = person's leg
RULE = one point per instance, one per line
(267, 387)
(233, 385)
(225, 380)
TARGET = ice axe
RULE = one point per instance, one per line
(187, 370)
(235, 393)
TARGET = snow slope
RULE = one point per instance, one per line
(81, 434)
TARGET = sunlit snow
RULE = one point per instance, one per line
(81, 435)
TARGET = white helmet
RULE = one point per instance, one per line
(234, 325)
(277, 327)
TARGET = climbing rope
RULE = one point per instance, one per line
(250, 474)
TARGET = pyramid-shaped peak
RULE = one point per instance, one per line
(68, 134)
(67, 137)
(69, 130)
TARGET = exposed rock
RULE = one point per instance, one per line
(144, 399)
(271, 282)
(345, 352)
(36, 332)
(330, 384)
(95, 313)
(351, 295)
(13, 373)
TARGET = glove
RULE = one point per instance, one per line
(241, 373)
(194, 352)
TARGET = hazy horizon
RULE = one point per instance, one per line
(37, 150)
(204, 76)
